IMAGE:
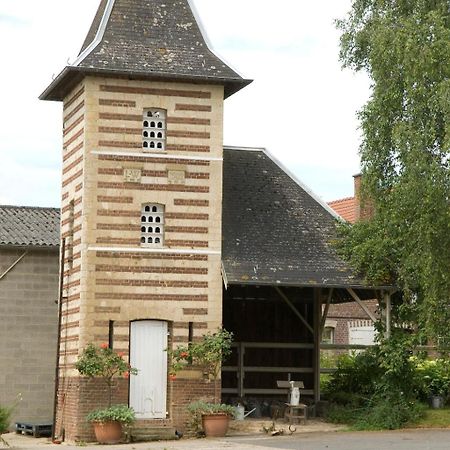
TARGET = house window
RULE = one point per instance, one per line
(154, 129)
(152, 235)
(328, 335)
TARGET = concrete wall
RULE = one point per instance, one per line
(28, 330)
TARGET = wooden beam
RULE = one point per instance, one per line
(294, 309)
(325, 311)
(317, 340)
(361, 304)
(14, 264)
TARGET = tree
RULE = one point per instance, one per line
(404, 45)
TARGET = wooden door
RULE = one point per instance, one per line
(148, 354)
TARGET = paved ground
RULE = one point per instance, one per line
(395, 440)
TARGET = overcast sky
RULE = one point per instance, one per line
(301, 106)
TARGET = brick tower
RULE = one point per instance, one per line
(141, 204)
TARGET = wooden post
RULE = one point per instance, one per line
(388, 305)
(241, 372)
(325, 311)
(317, 339)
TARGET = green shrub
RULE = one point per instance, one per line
(376, 389)
(432, 378)
(119, 413)
(389, 413)
(6, 412)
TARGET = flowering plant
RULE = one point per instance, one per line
(105, 363)
(208, 353)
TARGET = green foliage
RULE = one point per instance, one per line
(433, 378)
(404, 46)
(375, 389)
(207, 353)
(6, 412)
(102, 362)
(118, 413)
(105, 363)
(5, 415)
(197, 409)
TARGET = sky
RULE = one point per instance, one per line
(301, 106)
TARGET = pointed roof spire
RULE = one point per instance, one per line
(146, 39)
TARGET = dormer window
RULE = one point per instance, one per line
(154, 129)
(152, 236)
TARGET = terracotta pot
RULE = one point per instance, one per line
(215, 425)
(108, 432)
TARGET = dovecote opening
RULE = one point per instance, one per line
(154, 129)
(152, 236)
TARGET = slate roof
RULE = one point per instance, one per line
(157, 39)
(345, 207)
(23, 226)
(274, 230)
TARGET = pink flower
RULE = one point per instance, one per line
(184, 354)
(104, 345)
(126, 375)
(121, 354)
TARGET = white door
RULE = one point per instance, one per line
(148, 354)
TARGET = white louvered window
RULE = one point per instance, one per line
(154, 130)
(152, 225)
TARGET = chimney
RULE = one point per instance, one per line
(363, 209)
(357, 193)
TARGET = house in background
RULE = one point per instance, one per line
(348, 323)
(29, 274)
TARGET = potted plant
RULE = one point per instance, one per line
(435, 380)
(212, 417)
(104, 363)
(208, 353)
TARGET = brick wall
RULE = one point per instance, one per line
(77, 397)
(341, 315)
(28, 330)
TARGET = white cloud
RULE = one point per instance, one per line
(301, 105)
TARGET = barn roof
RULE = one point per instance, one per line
(146, 39)
(24, 226)
(276, 231)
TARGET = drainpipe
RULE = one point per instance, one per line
(58, 339)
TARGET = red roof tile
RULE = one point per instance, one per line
(345, 207)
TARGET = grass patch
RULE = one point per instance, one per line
(433, 418)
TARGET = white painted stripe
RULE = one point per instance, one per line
(152, 155)
(169, 251)
(99, 36)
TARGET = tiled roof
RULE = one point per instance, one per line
(159, 39)
(345, 207)
(29, 226)
(274, 230)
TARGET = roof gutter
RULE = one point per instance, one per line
(305, 285)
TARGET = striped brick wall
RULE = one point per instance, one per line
(108, 277)
(73, 157)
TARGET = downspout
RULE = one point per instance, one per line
(58, 339)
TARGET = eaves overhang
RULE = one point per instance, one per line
(70, 76)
